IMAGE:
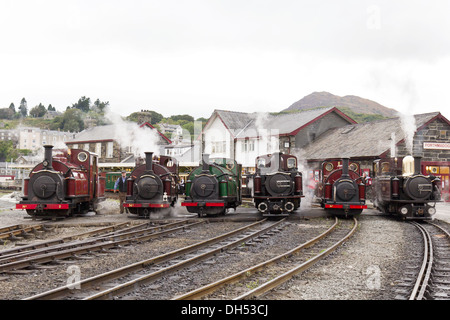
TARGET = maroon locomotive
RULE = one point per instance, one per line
(277, 184)
(342, 190)
(64, 183)
(400, 188)
(152, 186)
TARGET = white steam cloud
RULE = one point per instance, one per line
(408, 124)
(133, 137)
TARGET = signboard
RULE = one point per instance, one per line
(436, 145)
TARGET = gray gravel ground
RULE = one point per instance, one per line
(368, 267)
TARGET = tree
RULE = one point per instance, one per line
(7, 151)
(23, 108)
(101, 105)
(83, 104)
(6, 113)
(184, 117)
(12, 107)
(38, 111)
(50, 108)
(71, 121)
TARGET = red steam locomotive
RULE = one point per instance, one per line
(64, 183)
(401, 189)
(342, 190)
(152, 186)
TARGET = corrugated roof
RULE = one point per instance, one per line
(369, 139)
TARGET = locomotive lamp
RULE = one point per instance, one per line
(328, 188)
(395, 187)
(257, 184)
(362, 191)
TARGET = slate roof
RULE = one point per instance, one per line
(365, 139)
(246, 125)
(106, 133)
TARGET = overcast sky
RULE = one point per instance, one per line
(178, 57)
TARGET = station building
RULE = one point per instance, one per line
(429, 138)
(327, 133)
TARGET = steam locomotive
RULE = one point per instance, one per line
(277, 184)
(400, 188)
(152, 186)
(213, 187)
(342, 190)
(64, 183)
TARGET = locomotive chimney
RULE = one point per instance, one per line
(345, 167)
(205, 159)
(149, 161)
(417, 165)
(48, 156)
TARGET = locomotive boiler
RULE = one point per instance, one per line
(213, 187)
(342, 190)
(152, 186)
(63, 184)
(277, 184)
(400, 188)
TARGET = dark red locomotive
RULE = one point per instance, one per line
(152, 186)
(342, 190)
(65, 183)
(400, 188)
(277, 184)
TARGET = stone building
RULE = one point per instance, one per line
(114, 143)
(244, 136)
(366, 142)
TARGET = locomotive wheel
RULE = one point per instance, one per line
(289, 207)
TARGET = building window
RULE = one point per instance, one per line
(86, 146)
(98, 149)
(109, 150)
(218, 147)
(248, 146)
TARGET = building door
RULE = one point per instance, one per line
(441, 170)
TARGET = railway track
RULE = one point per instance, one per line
(433, 278)
(54, 251)
(18, 232)
(125, 279)
(263, 277)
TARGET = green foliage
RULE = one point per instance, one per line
(8, 152)
(361, 117)
(23, 108)
(6, 113)
(71, 121)
(156, 117)
(38, 111)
